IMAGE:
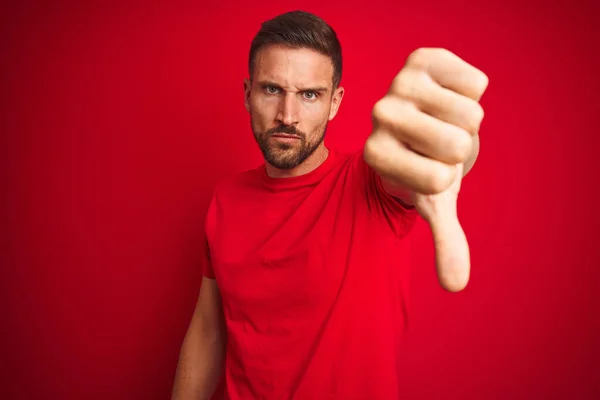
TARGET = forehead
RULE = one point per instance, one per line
(293, 67)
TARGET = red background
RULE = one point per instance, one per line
(117, 120)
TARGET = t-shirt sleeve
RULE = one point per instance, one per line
(206, 264)
(209, 225)
(399, 217)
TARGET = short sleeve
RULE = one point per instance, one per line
(398, 217)
(209, 225)
(206, 263)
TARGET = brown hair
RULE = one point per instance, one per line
(299, 29)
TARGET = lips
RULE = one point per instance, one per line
(283, 135)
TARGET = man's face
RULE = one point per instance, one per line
(290, 100)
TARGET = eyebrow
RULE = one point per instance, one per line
(306, 89)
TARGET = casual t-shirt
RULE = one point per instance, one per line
(313, 277)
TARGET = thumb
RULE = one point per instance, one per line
(452, 258)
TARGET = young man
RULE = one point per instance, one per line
(304, 288)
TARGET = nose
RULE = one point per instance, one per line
(288, 110)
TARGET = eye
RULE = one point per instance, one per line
(310, 95)
(271, 89)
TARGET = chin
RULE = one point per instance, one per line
(288, 161)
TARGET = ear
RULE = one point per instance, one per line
(247, 89)
(336, 100)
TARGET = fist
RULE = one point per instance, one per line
(424, 126)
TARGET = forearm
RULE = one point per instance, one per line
(200, 365)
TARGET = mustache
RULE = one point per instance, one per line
(285, 129)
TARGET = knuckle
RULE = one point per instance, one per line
(468, 114)
(475, 117)
(379, 113)
(375, 143)
(442, 52)
(419, 58)
(409, 85)
(388, 112)
(369, 151)
(403, 86)
(460, 147)
(374, 150)
(423, 57)
(370, 147)
(482, 82)
(438, 180)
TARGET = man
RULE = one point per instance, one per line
(304, 288)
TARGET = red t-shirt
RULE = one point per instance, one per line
(313, 277)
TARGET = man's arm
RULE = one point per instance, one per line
(424, 139)
(203, 350)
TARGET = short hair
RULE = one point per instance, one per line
(299, 29)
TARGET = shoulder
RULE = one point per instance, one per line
(380, 202)
(348, 160)
(228, 191)
(354, 165)
(239, 182)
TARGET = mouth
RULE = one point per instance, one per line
(283, 136)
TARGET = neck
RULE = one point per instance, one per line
(310, 164)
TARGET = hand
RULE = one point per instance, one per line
(423, 131)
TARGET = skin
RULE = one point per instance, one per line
(292, 93)
(425, 139)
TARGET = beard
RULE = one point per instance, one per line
(287, 155)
